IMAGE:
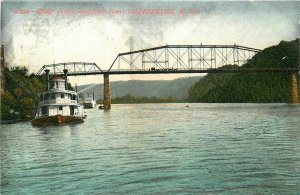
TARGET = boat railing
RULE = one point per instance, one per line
(58, 102)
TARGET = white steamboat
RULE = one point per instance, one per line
(57, 105)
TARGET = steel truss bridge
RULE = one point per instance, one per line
(170, 59)
(173, 59)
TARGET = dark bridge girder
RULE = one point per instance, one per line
(72, 67)
(192, 46)
(232, 70)
(183, 57)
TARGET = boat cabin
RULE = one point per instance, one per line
(58, 83)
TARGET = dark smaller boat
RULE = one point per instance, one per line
(89, 102)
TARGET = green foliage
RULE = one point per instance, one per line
(207, 83)
(129, 99)
(251, 87)
(69, 87)
(20, 95)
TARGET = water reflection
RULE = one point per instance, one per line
(166, 148)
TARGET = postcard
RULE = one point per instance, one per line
(149, 97)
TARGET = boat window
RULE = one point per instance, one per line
(60, 108)
(53, 96)
(62, 95)
(46, 96)
(56, 83)
(72, 110)
(44, 110)
(51, 84)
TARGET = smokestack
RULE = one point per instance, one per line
(93, 95)
(2, 52)
(76, 87)
(47, 79)
(66, 77)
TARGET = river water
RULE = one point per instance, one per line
(158, 149)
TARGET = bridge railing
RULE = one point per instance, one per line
(57, 102)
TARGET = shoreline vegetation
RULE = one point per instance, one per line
(251, 87)
(21, 91)
(22, 88)
(130, 99)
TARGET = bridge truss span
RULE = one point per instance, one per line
(72, 67)
(182, 58)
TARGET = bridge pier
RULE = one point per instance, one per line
(293, 96)
(106, 93)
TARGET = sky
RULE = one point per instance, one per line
(63, 31)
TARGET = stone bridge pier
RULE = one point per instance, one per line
(106, 93)
(294, 95)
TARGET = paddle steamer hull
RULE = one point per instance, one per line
(56, 120)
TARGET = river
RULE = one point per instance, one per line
(158, 149)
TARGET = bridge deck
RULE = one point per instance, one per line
(233, 70)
